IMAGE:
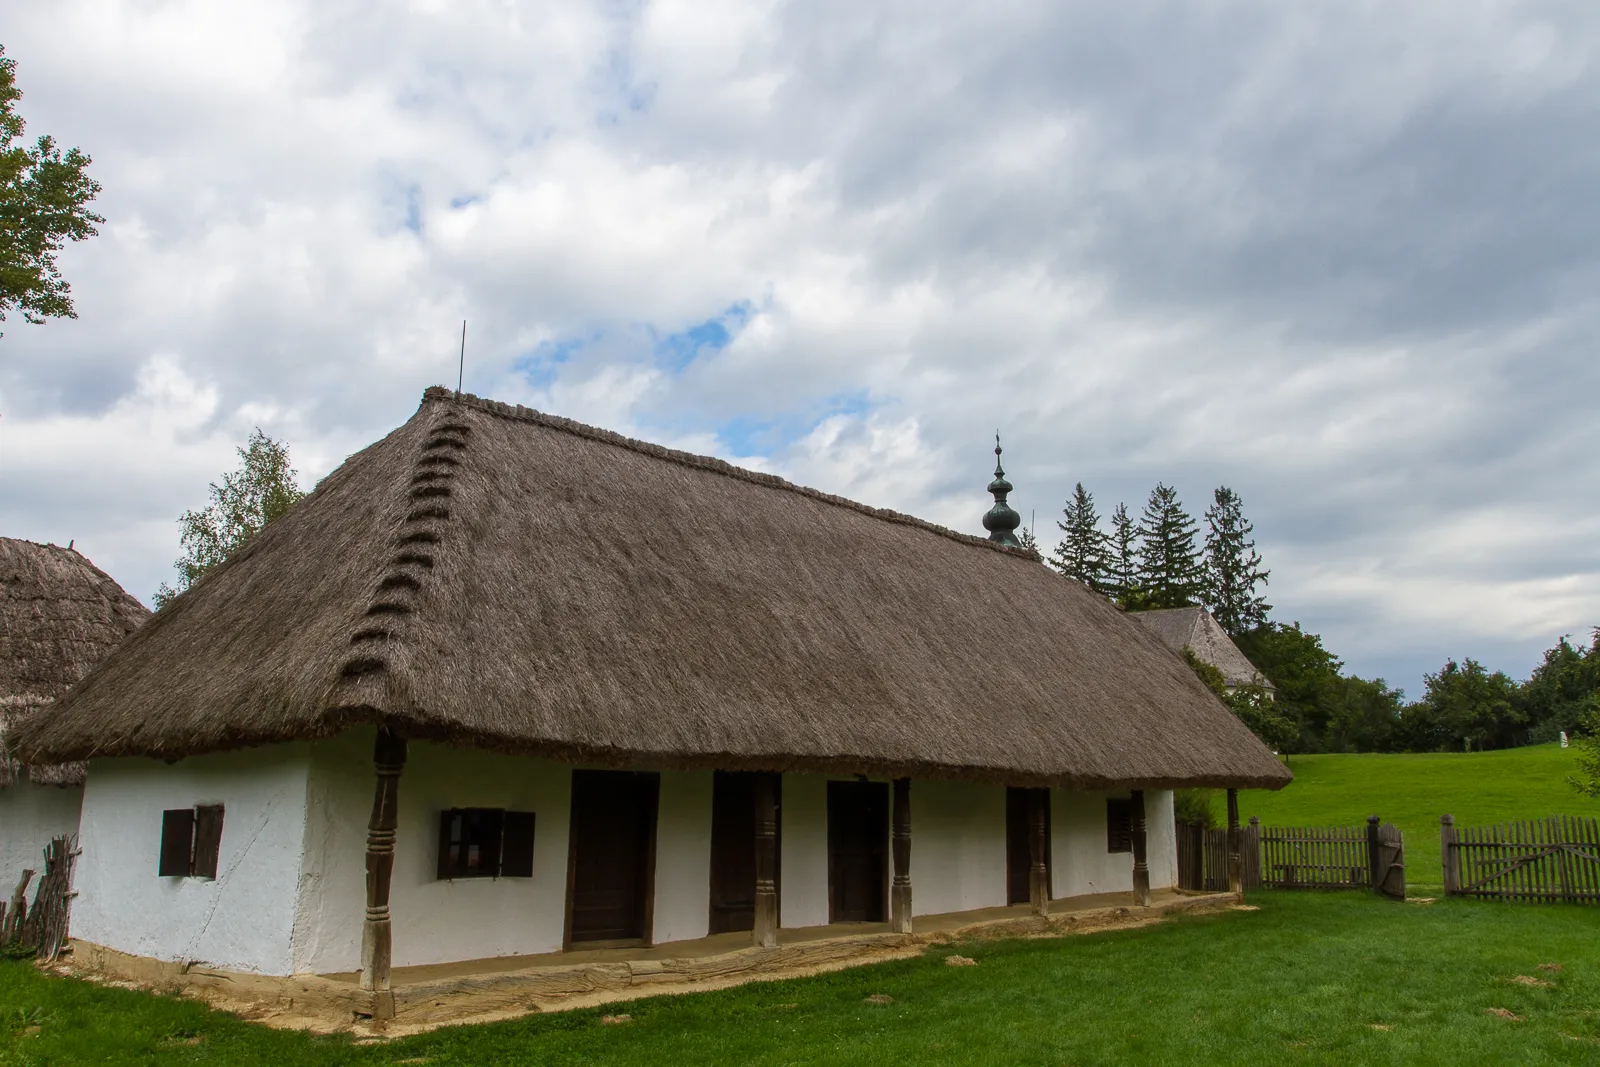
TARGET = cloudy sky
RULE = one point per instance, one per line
(1342, 257)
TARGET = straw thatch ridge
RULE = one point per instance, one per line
(487, 575)
(59, 615)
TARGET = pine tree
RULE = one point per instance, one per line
(1028, 541)
(1122, 559)
(1170, 573)
(1233, 567)
(1081, 554)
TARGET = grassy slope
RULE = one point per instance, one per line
(1303, 981)
(1412, 791)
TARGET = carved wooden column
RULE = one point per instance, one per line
(388, 757)
(1141, 867)
(1038, 870)
(900, 889)
(1235, 854)
(765, 931)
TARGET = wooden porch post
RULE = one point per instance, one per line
(900, 890)
(1038, 872)
(1141, 867)
(1235, 853)
(765, 931)
(388, 757)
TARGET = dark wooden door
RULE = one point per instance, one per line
(612, 854)
(1019, 855)
(733, 848)
(858, 851)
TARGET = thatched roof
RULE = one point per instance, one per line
(494, 577)
(1198, 630)
(59, 616)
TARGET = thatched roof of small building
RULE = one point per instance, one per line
(59, 616)
(1198, 630)
(494, 577)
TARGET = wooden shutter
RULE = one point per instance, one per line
(447, 853)
(177, 843)
(516, 850)
(207, 840)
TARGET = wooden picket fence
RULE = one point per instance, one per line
(1295, 857)
(42, 927)
(1541, 860)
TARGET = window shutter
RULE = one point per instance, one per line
(207, 840)
(491, 825)
(447, 865)
(177, 843)
(516, 851)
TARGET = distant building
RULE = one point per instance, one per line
(59, 616)
(1195, 628)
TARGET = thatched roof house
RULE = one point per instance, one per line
(59, 616)
(490, 576)
(647, 656)
(1196, 629)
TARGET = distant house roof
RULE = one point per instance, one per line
(490, 576)
(1195, 628)
(59, 616)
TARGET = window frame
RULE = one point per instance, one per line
(496, 826)
(191, 842)
(1119, 825)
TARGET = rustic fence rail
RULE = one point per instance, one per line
(1295, 857)
(1539, 860)
(43, 926)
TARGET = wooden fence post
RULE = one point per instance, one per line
(1375, 875)
(1449, 855)
(1235, 857)
(1251, 863)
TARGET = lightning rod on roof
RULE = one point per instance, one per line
(461, 367)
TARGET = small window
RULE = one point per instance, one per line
(485, 843)
(1119, 825)
(191, 842)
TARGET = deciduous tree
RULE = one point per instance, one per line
(246, 499)
(44, 202)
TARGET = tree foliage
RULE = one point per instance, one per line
(1081, 554)
(246, 499)
(1233, 568)
(1169, 563)
(1587, 780)
(44, 202)
(1122, 558)
(1253, 705)
(1465, 707)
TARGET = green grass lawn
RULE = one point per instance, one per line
(1412, 791)
(1332, 978)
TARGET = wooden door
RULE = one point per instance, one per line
(611, 874)
(733, 848)
(858, 851)
(1019, 855)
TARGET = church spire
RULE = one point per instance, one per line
(1001, 521)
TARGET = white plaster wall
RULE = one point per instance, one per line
(958, 846)
(30, 816)
(803, 897)
(1080, 862)
(683, 857)
(331, 898)
(1161, 839)
(240, 921)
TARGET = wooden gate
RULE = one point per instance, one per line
(1296, 857)
(1554, 859)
